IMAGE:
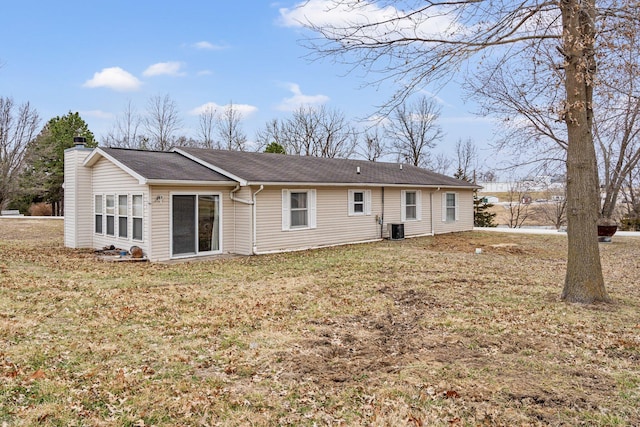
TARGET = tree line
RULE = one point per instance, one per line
(31, 158)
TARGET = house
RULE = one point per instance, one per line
(190, 202)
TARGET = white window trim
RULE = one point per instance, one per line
(119, 215)
(403, 205)
(286, 209)
(366, 202)
(141, 216)
(455, 206)
(101, 213)
(113, 214)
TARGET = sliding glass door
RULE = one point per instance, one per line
(195, 224)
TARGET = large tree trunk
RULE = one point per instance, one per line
(584, 281)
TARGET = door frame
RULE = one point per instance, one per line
(220, 223)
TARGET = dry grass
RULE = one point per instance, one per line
(418, 332)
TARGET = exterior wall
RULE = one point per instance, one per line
(335, 226)
(160, 211)
(465, 212)
(393, 212)
(78, 215)
(108, 179)
(333, 223)
(243, 217)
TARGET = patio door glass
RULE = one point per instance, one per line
(196, 224)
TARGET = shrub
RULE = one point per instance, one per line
(40, 209)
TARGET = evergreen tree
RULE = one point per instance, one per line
(44, 173)
(274, 147)
(481, 215)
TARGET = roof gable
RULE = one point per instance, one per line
(158, 166)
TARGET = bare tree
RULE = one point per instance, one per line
(161, 122)
(229, 129)
(18, 127)
(517, 205)
(310, 131)
(617, 122)
(336, 137)
(273, 131)
(207, 122)
(467, 156)
(554, 208)
(530, 105)
(414, 130)
(401, 43)
(126, 130)
(373, 146)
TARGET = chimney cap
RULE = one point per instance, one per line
(79, 141)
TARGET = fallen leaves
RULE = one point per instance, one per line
(37, 375)
(419, 332)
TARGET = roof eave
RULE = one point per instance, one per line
(359, 184)
(180, 182)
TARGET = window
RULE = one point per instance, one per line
(97, 209)
(411, 205)
(359, 202)
(136, 213)
(123, 219)
(111, 207)
(450, 207)
(298, 209)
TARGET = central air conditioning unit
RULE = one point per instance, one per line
(396, 231)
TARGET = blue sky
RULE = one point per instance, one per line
(95, 57)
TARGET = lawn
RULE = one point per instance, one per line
(420, 332)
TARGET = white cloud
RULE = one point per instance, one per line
(114, 78)
(205, 45)
(337, 15)
(205, 73)
(171, 68)
(299, 99)
(244, 109)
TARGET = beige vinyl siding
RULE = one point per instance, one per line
(333, 223)
(108, 179)
(160, 212)
(78, 218)
(465, 212)
(393, 211)
(242, 214)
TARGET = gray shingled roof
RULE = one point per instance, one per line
(279, 168)
(162, 165)
(260, 168)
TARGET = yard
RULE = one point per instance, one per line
(418, 332)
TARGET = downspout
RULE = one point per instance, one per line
(433, 225)
(251, 202)
(382, 216)
(254, 222)
(236, 199)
